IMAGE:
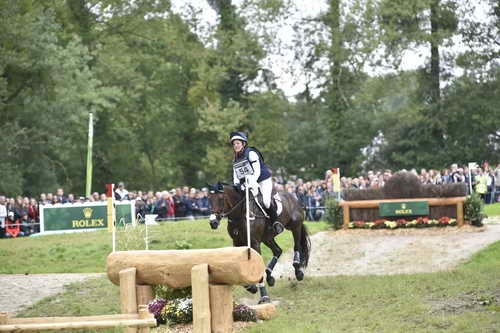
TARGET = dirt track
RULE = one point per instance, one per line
(363, 252)
(351, 252)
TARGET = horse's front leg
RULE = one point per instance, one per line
(240, 240)
(271, 244)
(264, 296)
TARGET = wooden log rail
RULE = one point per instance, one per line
(140, 320)
(172, 268)
(453, 201)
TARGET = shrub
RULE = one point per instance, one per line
(402, 185)
(333, 215)
(431, 191)
(365, 194)
(167, 293)
(473, 210)
(453, 190)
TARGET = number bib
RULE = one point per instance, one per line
(242, 169)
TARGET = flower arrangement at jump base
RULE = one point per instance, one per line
(180, 311)
(176, 311)
(421, 222)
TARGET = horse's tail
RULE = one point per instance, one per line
(305, 244)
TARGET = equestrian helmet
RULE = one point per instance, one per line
(238, 136)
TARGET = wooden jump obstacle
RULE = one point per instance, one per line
(209, 272)
(453, 201)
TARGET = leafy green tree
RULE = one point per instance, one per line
(473, 127)
(47, 89)
(433, 24)
(237, 51)
(336, 129)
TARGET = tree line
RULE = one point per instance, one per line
(165, 88)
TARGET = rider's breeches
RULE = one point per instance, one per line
(266, 187)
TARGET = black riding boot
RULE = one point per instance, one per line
(273, 219)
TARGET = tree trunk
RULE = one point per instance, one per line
(435, 79)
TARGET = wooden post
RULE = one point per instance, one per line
(144, 295)
(128, 294)
(460, 213)
(346, 216)
(201, 299)
(221, 307)
(144, 314)
(4, 317)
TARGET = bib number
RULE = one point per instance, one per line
(242, 169)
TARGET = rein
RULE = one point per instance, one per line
(239, 203)
(232, 209)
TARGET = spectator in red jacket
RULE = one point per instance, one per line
(12, 226)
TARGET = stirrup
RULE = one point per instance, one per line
(278, 227)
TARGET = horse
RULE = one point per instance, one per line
(228, 201)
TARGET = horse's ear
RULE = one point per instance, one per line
(211, 188)
(220, 187)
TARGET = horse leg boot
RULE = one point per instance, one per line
(252, 288)
(264, 297)
(273, 218)
(271, 244)
(297, 265)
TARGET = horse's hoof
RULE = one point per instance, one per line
(299, 274)
(265, 300)
(270, 281)
(252, 289)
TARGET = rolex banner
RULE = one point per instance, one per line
(83, 217)
(404, 208)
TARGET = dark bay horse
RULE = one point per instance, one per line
(228, 201)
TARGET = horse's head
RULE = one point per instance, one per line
(216, 199)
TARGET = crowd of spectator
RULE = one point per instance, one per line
(484, 180)
(20, 216)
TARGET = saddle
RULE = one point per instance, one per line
(275, 198)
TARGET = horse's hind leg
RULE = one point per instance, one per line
(271, 243)
(297, 260)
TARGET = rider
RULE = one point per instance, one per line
(249, 161)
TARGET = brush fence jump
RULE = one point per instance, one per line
(209, 272)
(454, 201)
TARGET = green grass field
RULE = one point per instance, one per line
(492, 210)
(464, 300)
(86, 252)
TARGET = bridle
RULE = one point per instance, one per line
(223, 214)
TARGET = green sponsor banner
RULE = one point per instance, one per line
(83, 217)
(404, 208)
